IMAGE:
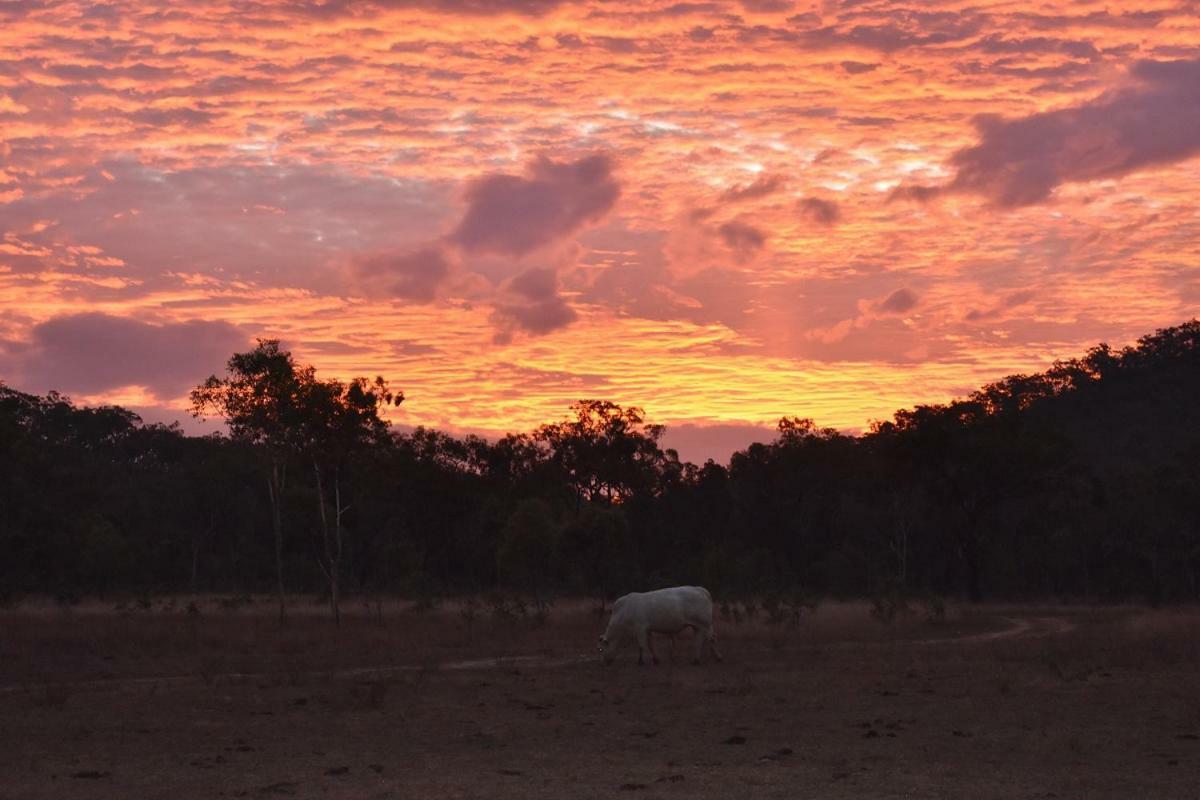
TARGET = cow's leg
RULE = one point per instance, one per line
(650, 647)
(643, 640)
(699, 637)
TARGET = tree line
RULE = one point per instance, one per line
(1080, 482)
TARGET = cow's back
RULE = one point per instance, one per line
(675, 607)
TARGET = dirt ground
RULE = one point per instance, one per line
(1054, 702)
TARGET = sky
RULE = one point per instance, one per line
(722, 212)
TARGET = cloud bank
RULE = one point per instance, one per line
(1021, 161)
(93, 352)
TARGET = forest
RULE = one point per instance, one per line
(1078, 483)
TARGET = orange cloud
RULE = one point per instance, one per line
(505, 205)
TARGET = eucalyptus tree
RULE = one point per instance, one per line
(260, 399)
(340, 423)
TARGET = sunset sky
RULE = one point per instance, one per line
(723, 212)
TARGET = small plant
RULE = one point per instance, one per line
(426, 603)
(890, 602)
(935, 609)
(787, 610)
(234, 602)
(469, 612)
(424, 591)
(501, 610)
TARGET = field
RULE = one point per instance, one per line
(1053, 702)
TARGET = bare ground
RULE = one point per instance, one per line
(996, 702)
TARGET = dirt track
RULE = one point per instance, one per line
(1017, 627)
(1015, 703)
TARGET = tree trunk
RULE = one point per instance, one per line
(195, 558)
(275, 487)
(335, 566)
(197, 543)
(333, 548)
(970, 556)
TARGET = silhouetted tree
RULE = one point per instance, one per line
(606, 453)
(599, 545)
(339, 422)
(260, 400)
(1080, 481)
(527, 553)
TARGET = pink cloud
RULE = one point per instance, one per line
(413, 276)
(514, 215)
(530, 303)
(95, 352)
(1021, 161)
(822, 212)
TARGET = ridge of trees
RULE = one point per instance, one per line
(1082, 481)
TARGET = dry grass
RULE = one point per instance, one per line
(93, 641)
(998, 701)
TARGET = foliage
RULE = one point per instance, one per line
(1078, 482)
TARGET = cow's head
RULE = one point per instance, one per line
(605, 649)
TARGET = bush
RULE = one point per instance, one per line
(527, 554)
(891, 600)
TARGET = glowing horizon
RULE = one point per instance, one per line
(721, 212)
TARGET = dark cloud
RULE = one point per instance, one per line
(513, 215)
(408, 348)
(822, 212)
(898, 302)
(1000, 44)
(1021, 161)
(1056, 72)
(1095, 19)
(858, 67)
(412, 276)
(688, 9)
(481, 8)
(163, 117)
(768, 6)
(535, 284)
(615, 44)
(871, 122)
(743, 239)
(906, 29)
(1006, 303)
(95, 352)
(530, 303)
(761, 187)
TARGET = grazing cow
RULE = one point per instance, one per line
(637, 615)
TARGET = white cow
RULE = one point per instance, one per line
(637, 615)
